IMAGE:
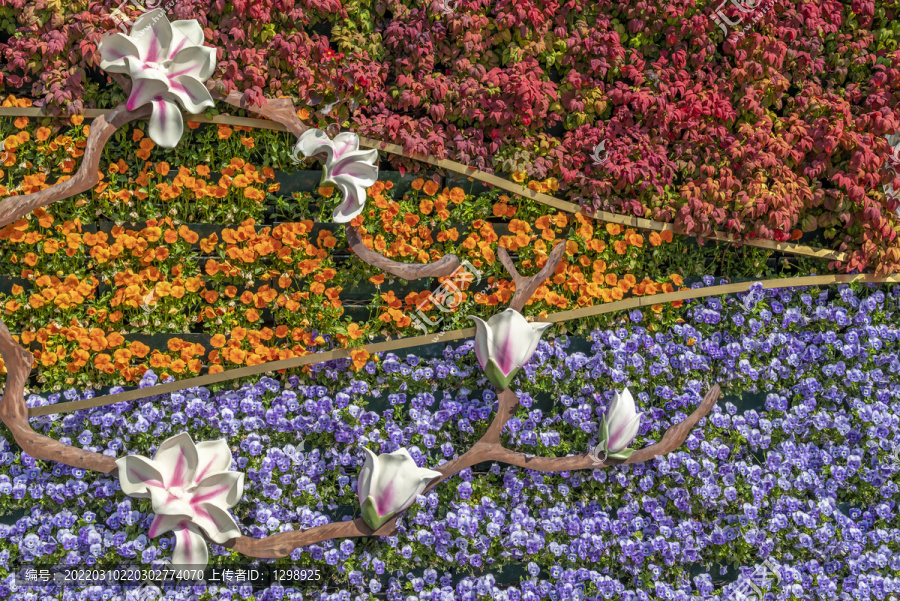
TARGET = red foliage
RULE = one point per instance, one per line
(778, 127)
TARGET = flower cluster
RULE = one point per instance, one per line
(433, 81)
(252, 292)
(793, 467)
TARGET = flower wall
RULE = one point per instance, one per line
(797, 472)
(780, 129)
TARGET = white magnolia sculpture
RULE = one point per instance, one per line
(389, 484)
(618, 428)
(504, 344)
(190, 491)
(167, 62)
(346, 166)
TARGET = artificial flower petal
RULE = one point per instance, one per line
(145, 90)
(163, 523)
(185, 34)
(197, 61)
(192, 93)
(166, 123)
(137, 474)
(177, 458)
(152, 33)
(190, 548)
(217, 523)
(114, 49)
(222, 488)
(212, 456)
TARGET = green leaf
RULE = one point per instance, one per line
(370, 515)
(496, 377)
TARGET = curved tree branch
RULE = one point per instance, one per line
(488, 448)
(14, 413)
(526, 287)
(446, 265)
(87, 176)
(280, 110)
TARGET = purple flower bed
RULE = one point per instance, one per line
(803, 479)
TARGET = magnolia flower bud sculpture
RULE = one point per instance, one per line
(618, 428)
(504, 344)
(346, 166)
(167, 62)
(388, 484)
(190, 491)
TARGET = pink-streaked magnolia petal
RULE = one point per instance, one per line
(114, 48)
(212, 456)
(138, 475)
(217, 523)
(147, 87)
(344, 143)
(621, 434)
(398, 481)
(165, 503)
(184, 35)
(354, 199)
(358, 165)
(152, 34)
(222, 488)
(528, 349)
(366, 475)
(166, 123)
(484, 340)
(177, 459)
(197, 61)
(163, 523)
(315, 141)
(190, 548)
(190, 91)
(512, 337)
(622, 409)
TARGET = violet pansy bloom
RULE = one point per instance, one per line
(190, 491)
(346, 166)
(167, 62)
(388, 484)
(619, 427)
(504, 344)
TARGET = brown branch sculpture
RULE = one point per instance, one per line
(526, 287)
(19, 361)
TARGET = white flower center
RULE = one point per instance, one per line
(179, 493)
(162, 67)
